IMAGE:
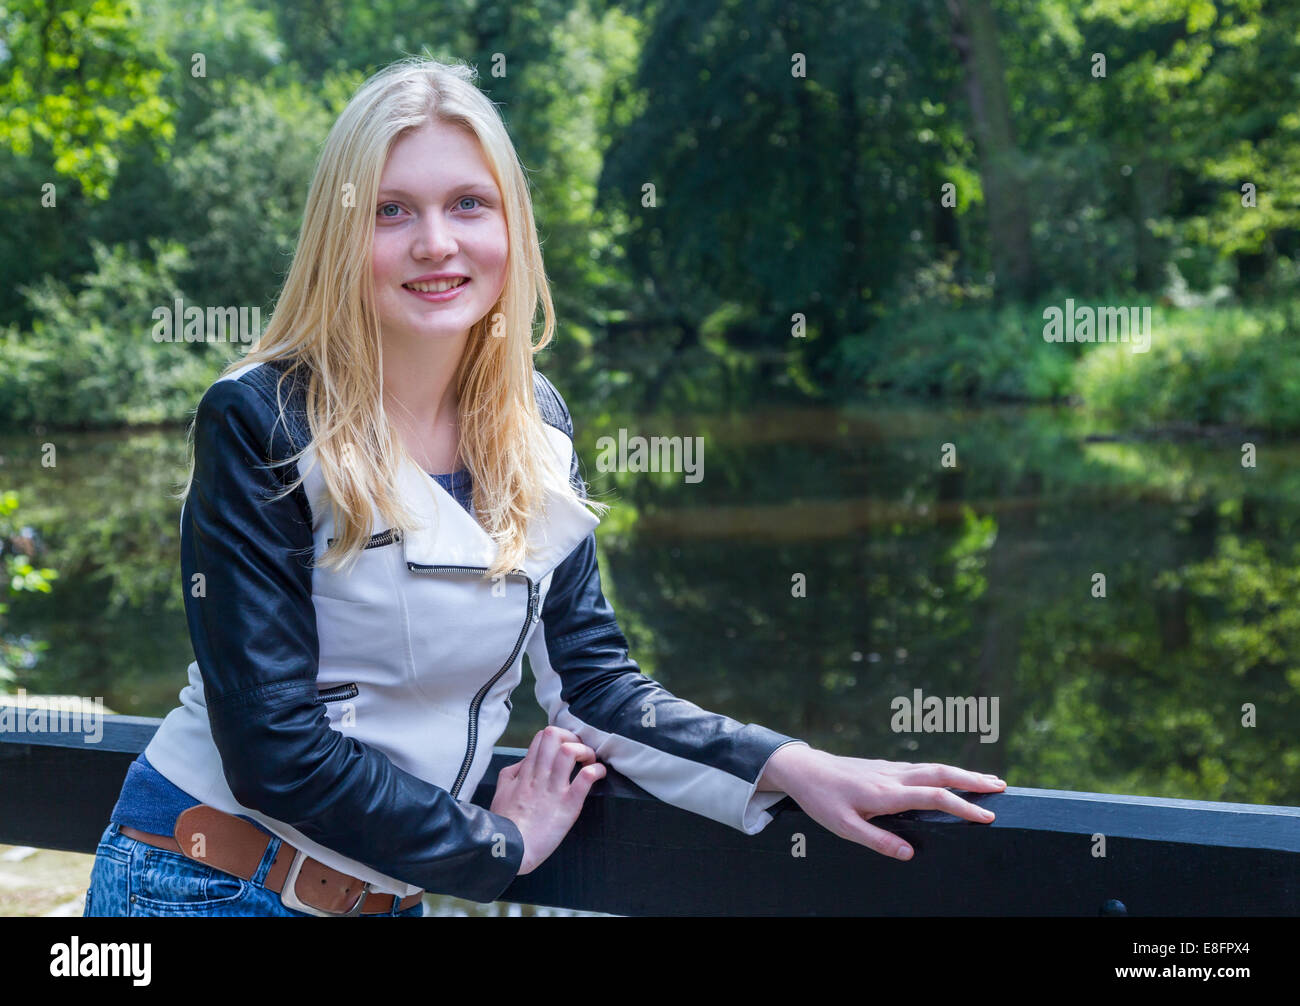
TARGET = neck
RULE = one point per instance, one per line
(419, 388)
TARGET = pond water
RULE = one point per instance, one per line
(830, 564)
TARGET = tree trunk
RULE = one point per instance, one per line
(975, 37)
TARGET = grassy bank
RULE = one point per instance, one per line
(1231, 366)
(1225, 366)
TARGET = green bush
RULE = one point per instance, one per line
(980, 351)
(90, 359)
(1207, 365)
(1233, 366)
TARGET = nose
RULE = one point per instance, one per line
(433, 239)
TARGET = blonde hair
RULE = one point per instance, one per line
(325, 325)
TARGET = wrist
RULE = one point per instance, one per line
(784, 766)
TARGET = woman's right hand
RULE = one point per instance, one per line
(538, 797)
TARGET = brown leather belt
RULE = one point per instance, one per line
(235, 846)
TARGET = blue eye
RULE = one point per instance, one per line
(460, 202)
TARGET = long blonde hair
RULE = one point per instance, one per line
(325, 327)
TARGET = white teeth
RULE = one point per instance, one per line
(437, 286)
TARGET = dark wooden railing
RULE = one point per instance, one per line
(631, 854)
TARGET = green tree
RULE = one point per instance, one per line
(80, 78)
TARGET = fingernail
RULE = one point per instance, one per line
(988, 815)
(905, 852)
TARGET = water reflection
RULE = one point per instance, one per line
(976, 580)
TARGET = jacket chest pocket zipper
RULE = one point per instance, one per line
(531, 617)
(339, 692)
(389, 537)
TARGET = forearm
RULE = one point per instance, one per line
(280, 759)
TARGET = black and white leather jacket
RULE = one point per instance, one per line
(354, 716)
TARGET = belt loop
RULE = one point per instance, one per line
(268, 857)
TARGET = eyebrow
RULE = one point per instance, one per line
(475, 186)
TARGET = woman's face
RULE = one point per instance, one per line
(438, 212)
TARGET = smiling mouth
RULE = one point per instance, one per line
(437, 286)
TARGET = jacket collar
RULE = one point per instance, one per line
(451, 537)
(448, 536)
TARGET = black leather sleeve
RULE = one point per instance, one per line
(604, 687)
(254, 635)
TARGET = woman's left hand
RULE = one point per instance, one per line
(842, 794)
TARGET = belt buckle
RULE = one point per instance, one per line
(291, 900)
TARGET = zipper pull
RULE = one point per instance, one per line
(533, 607)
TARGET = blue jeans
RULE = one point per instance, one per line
(133, 878)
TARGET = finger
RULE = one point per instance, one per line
(549, 745)
(884, 842)
(563, 733)
(950, 775)
(584, 780)
(567, 755)
(593, 760)
(551, 739)
(525, 768)
(934, 798)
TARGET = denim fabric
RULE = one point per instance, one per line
(149, 800)
(131, 878)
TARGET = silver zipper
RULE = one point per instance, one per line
(533, 613)
(377, 540)
(348, 691)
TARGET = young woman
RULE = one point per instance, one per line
(384, 514)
